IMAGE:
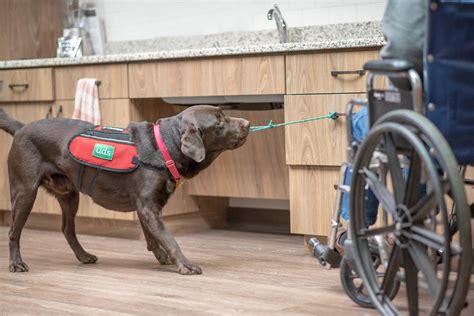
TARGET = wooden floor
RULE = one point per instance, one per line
(244, 273)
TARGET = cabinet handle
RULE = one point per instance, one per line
(16, 87)
(50, 112)
(336, 73)
(59, 113)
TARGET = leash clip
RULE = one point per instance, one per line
(335, 115)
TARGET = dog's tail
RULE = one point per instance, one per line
(8, 124)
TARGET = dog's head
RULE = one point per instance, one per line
(206, 129)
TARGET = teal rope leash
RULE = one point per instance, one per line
(331, 115)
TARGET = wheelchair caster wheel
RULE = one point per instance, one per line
(353, 284)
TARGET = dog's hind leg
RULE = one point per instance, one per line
(22, 198)
(69, 204)
(154, 246)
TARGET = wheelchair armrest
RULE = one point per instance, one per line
(388, 65)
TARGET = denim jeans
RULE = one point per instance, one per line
(360, 128)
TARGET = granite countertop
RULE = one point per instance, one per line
(311, 38)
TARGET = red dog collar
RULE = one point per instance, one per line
(166, 155)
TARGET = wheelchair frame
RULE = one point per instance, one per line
(448, 301)
(327, 256)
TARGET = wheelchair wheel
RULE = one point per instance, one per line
(423, 183)
(353, 284)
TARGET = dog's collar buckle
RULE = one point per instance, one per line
(166, 155)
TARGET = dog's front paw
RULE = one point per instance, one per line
(188, 268)
(18, 267)
(87, 258)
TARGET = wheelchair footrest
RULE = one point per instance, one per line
(324, 254)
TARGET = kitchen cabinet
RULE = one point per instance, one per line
(319, 83)
(314, 153)
(20, 85)
(321, 142)
(312, 199)
(30, 28)
(208, 77)
(113, 80)
(299, 163)
(327, 72)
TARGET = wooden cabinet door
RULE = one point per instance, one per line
(319, 142)
(312, 199)
(314, 151)
(328, 72)
(30, 28)
(25, 112)
(112, 78)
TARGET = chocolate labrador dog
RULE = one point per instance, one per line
(38, 157)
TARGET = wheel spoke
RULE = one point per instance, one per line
(424, 206)
(412, 193)
(427, 203)
(425, 265)
(425, 237)
(377, 231)
(392, 268)
(394, 166)
(380, 191)
(411, 275)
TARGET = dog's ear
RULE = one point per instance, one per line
(192, 145)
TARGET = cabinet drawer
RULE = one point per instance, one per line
(26, 85)
(208, 77)
(312, 198)
(113, 80)
(320, 142)
(323, 72)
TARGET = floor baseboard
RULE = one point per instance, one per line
(176, 224)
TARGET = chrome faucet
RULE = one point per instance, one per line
(275, 14)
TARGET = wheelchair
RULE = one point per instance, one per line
(330, 257)
(410, 160)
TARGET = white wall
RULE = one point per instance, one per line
(145, 19)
